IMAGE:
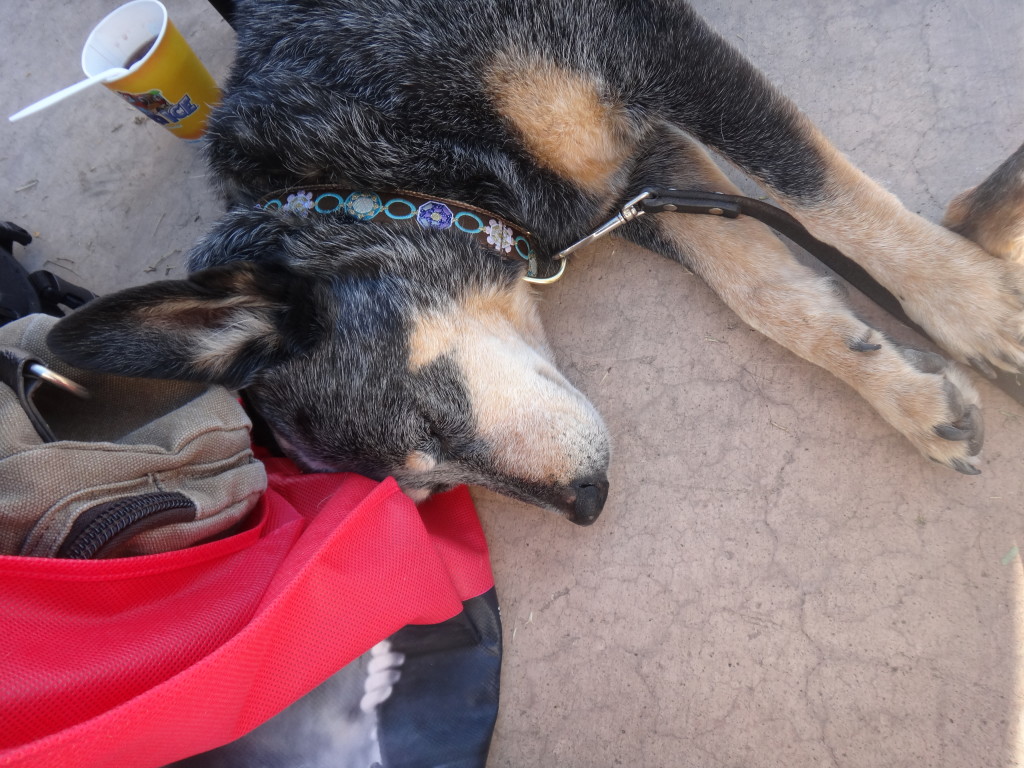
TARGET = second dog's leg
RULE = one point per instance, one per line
(992, 213)
(927, 398)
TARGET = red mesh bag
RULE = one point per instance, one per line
(142, 661)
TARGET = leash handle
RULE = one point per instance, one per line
(627, 213)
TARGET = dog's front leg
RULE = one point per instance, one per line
(927, 398)
(969, 302)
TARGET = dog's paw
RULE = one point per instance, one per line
(932, 402)
(972, 305)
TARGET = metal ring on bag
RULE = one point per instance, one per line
(52, 377)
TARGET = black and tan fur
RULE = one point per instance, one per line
(388, 350)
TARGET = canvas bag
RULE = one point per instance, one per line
(142, 466)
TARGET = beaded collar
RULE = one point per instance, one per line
(491, 231)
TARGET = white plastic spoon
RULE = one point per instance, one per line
(53, 98)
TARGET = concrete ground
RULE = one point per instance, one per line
(778, 578)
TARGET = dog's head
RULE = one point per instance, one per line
(366, 348)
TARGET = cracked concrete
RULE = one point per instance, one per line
(778, 578)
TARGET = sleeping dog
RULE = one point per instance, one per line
(394, 168)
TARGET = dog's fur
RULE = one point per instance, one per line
(392, 350)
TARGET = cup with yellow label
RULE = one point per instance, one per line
(164, 79)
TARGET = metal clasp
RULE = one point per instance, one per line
(627, 213)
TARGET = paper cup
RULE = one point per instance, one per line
(167, 82)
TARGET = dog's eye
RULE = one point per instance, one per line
(442, 441)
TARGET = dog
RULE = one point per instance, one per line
(374, 344)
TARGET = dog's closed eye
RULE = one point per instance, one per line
(436, 437)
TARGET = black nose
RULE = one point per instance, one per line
(591, 493)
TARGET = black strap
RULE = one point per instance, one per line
(23, 294)
(17, 296)
(732, 206)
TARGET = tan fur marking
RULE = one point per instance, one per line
(418, 461)
(538, 426)
(182, 308)
(565, 122)
(217, 349)
(509, 314)
(432, 336)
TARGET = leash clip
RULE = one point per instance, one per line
(627, 213)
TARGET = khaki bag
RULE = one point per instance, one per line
(142, 466)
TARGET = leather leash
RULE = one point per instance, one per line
(654, 200)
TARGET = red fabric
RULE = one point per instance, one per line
(142, 661)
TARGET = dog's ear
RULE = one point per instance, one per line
(221, 325)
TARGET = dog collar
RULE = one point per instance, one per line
(488, 229)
